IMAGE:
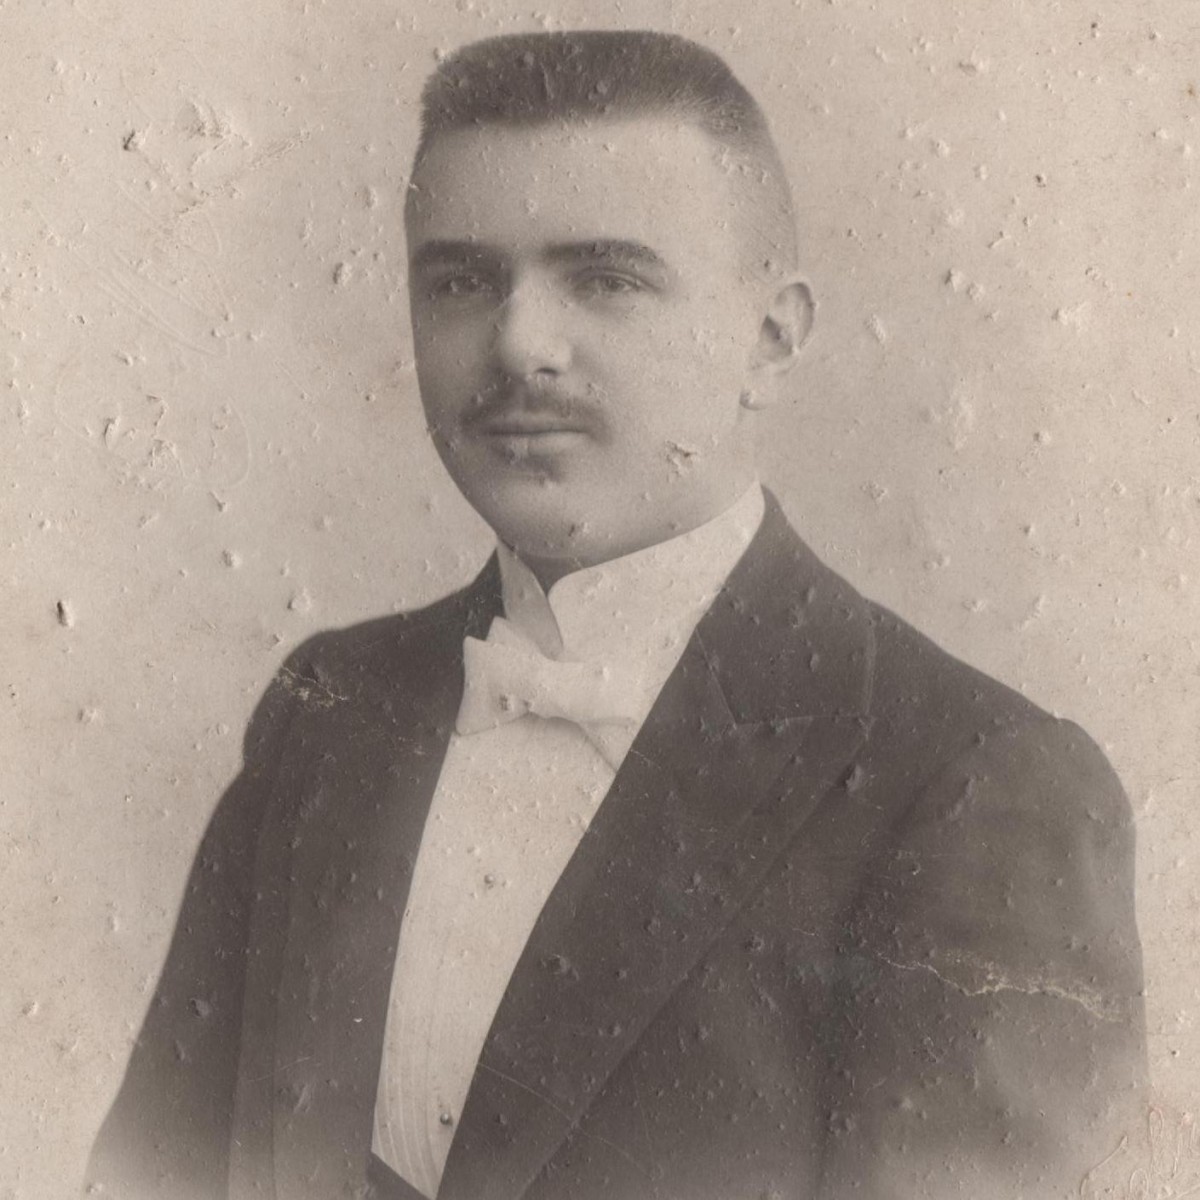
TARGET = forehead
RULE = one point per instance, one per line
(657, 181)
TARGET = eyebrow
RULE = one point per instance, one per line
(615, 250)
(609, 250)
(446, 251)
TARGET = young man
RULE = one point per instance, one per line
(657, 862)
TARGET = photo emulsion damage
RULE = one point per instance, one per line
(667, 502)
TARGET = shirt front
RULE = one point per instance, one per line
(510, 807)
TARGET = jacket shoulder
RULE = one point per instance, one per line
(913, 673)
(934, 714)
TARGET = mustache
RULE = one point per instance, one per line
(536, 398)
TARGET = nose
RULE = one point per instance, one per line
(530, 334)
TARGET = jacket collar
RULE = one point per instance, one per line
(787, 637)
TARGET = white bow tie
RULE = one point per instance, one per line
(507, 677)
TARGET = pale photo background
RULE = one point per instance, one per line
(212, 445)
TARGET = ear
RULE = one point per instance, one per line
(785, 329)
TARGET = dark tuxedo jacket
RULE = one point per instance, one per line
(853, 921)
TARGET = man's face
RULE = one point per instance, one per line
(584, 328)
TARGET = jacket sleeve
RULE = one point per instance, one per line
(167, 1133)
(994, 1042)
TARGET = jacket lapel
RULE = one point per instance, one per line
(761, 717)
(362, 804)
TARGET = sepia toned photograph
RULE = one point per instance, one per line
(601, 602)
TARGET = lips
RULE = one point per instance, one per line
(533, 439)
(529, 426)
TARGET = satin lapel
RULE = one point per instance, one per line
(756, 724)
(355, 841)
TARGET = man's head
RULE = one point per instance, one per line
(601, 247)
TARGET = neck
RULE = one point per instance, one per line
(548, 571)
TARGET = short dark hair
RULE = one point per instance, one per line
(581, 75)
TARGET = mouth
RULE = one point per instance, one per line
(532, 437)
(531, 427)
(520, 445)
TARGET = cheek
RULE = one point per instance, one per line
(711, 334)
(452, 334)
(438, 388)
(688, 376)
(446, 361)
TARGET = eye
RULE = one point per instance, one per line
(462, 285)
(607, 284)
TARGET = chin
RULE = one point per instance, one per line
(552, 536)
(542, 522)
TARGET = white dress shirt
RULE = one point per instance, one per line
(510, 807)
